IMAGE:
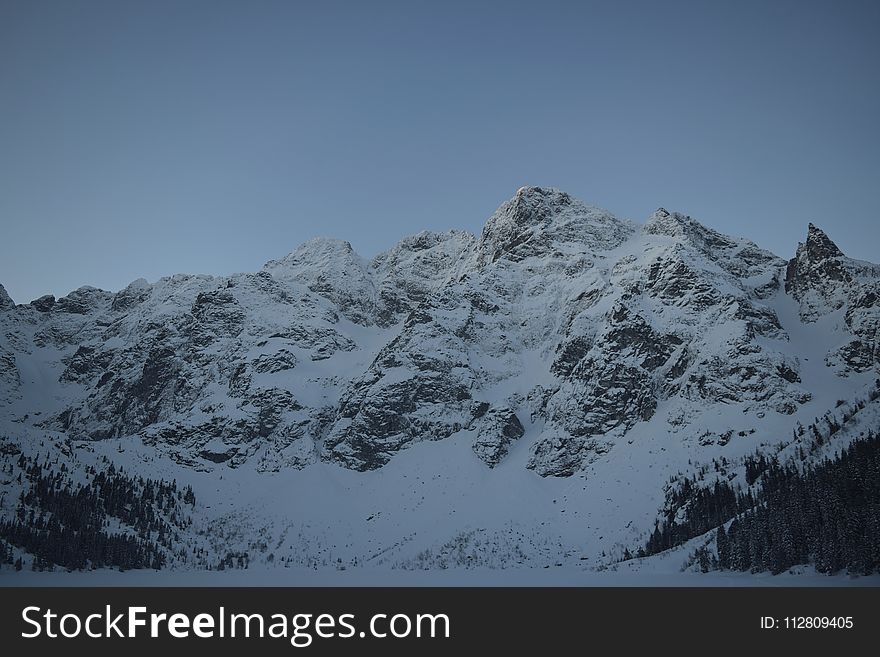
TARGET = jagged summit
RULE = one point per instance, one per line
(332, 269)
(673, 224)
(315, 251)
(818, 245)
(739, 256)
(824, 280)
(84, 300)
(676, 224)
(44, 303)
(531, 206)
(817, 274)
(540, 221)
(425, 239)
(5, 300)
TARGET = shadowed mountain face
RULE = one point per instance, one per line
(5, 301)
(560, 324)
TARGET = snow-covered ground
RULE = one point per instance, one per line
(452, 577)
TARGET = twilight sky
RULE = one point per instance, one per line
(148, 138)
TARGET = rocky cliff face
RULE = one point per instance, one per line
(5, 302)
(559, 324)
(824, 282)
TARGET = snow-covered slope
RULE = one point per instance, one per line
(521, 396)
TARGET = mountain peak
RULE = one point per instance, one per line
(332, 269)
(538, 220)
(819, 275)
(672, 224)
(675, 224)
(534, 191)
(738, 256)
(536, 205)
(325, 244)
(318, 251)
(5, 300)
(819, 246)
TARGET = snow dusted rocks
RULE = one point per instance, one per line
(497, 428)
(412, 270)
(671, 318)
(5, 301)
(44, 304)
(331, 269)
(823, 280)
(818, 275)
(10, 379)
(546, 223)
(558, 331)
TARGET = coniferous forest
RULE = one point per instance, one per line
(703, 508)
(115, 520)
(827, 515)
(801, 511)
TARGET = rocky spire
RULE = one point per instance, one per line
(5, 301)
(819, 246)
(817, 271)
(817, 265)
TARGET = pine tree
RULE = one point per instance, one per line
(723, 547)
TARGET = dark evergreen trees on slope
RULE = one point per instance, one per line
(827, 515)
(68, 525)
(693, 510)
(692, 507)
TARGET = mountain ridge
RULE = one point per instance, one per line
(617, 312)
(526, 396)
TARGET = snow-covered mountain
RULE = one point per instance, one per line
(564, 364)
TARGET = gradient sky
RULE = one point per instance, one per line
(140, 139)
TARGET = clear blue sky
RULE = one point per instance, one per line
(148, 138)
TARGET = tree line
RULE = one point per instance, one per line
(693, 508)
(114, 520)
(827, 515)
